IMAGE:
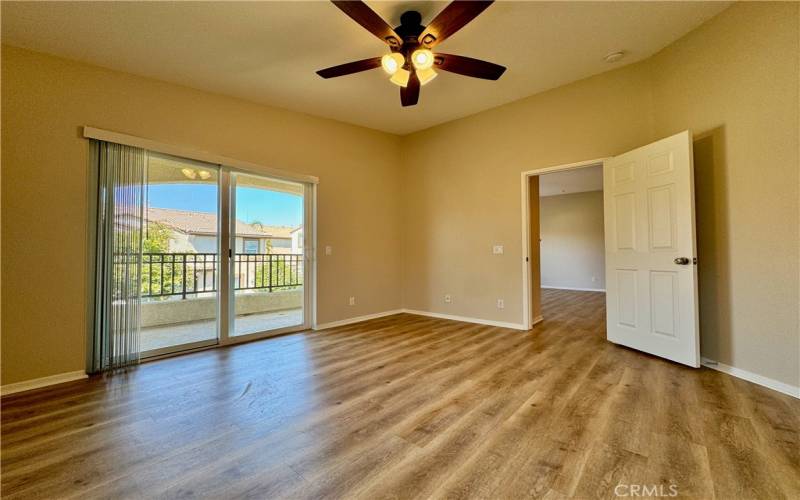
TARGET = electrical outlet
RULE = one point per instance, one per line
(497, 249)
(448, 298)
(501, 304)
(594, 278)
(352, 301)
(328, 250)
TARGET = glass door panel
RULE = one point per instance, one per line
(180, 256)
(268, 255)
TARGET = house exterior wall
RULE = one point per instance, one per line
(193, 243)
(297, 241)
(203, 243)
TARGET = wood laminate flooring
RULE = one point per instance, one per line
(408, 407)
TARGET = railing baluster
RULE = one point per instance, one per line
(183, 288)
(269, 272)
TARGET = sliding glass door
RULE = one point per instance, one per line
(268, 254)
(223, 255)
(180, 256)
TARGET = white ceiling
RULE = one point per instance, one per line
(268, 52)
(579, 180)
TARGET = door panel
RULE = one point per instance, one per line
(180, 256)
(626, 303)
(268, 255)
(650, 227)
(625, 221)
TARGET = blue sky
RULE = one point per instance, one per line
(268, 207)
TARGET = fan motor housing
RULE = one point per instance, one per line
(409, 30)
(410, 25)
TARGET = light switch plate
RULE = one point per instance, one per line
(497, 249)
(328, 250)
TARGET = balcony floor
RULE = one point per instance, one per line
(157, 337)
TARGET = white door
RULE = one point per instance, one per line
(651, 271)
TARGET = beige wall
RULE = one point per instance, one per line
(45, 101)
(462, 186)
(733, 82)
(572, 241)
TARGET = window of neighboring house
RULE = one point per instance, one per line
(250, 245)
(281, 243)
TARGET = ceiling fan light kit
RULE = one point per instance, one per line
(425, 75)
(411, 62)
(422, 58)
(392, 62)
(401, 77)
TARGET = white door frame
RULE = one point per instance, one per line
(226, 317)
(226, 166)
(527, 313)
(225, 295)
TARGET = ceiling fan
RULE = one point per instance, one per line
(411, 62)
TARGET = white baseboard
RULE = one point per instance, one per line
(38, 383)
(574, 289)
(356, 319)
(504, 324)
(775, 385)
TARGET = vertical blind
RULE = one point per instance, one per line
(122, 172)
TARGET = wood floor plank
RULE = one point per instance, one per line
(407, 407)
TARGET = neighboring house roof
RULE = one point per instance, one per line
(206, 223)
(274, 231)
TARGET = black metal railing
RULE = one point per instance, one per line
(190, 274)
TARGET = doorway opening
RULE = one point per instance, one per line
(565, 237)
(650, 248)
(572, 243)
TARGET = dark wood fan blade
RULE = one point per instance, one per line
(468, 66)
(454, 17)
(366, 17)
(409, 95)
(350, 68)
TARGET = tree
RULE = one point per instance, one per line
(276, 273)
(162, 271)
(156, 238)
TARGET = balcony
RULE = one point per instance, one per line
(179, 296)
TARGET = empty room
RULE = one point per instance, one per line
(387, 249)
